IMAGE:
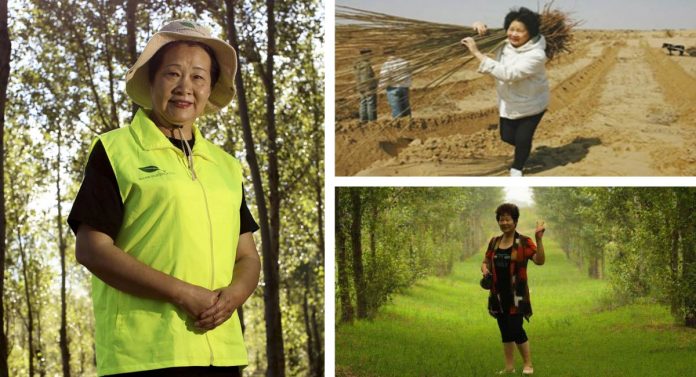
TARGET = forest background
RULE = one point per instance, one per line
(618, 287)
(62, 70)
(642, 240)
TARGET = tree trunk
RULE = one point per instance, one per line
(674, 267)
(108, 61)
(312, 337)
(319, 194)
(356, 240)
(40, 355)
(342, 262)
(240, 314)
(275, 351)
(603, 260)
(686, 202)
(270, 225)
(319, 191)
(27, 296)
(5, 49)
(64, 342)
(593, 267)
(373, 231)
(131, 28)
(318, 344)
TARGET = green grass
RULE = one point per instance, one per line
(440, 327)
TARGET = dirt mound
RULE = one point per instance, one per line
(620, 106)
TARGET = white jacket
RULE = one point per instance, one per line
(523, 89)
(395, 72)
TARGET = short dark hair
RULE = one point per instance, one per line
(530, 19)
(507, 209)
(156, 60)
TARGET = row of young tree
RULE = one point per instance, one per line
(389, 237)
(642, 239)
(62, 70)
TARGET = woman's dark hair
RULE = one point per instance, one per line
(507, 209)
(530, 19)
(156, 61)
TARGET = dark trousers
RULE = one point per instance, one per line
(511, 328)
(519, 133)
(368, 107)
(187, 372)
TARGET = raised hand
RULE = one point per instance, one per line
(470, 43)
(480, 28)
(540, 229)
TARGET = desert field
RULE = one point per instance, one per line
(620, 106)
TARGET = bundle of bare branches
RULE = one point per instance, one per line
(429, 47)
(557, 28)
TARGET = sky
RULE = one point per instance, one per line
(596, 14)
(520, 195)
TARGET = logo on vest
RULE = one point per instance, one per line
(153, 172)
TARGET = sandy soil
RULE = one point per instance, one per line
(621, 106)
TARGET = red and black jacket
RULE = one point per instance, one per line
(523, 250)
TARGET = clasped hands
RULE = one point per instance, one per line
(208, 308)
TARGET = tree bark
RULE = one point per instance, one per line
(131, 28)
(27, 296)
(319, 195)
(40, 361)
(5, 50)
(269, 215)
(63, 332)
(318, 344)
(108, 61)
(593, 266)
(347, 311)
(311, 335)
(356, 240)
(686, 202)
(373, 235)
(674, 267)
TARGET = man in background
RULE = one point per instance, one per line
(367, 86)
(395, 76)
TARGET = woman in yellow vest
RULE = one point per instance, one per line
(161, 220)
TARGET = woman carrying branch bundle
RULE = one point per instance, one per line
(161, 220)
(505, 274)
(523, 90)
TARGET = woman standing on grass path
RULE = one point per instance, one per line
(520, 73)
(506, 264)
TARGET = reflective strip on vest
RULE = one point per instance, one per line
(183, 227)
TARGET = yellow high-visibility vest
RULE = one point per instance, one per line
(183, 226)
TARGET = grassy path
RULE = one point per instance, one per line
(440, 327)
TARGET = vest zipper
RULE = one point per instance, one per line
(210, 226)
(212, 257)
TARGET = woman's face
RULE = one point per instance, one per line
(181, 86)
(517, 34)
(506, 223)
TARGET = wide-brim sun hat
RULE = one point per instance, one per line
(138, 83)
